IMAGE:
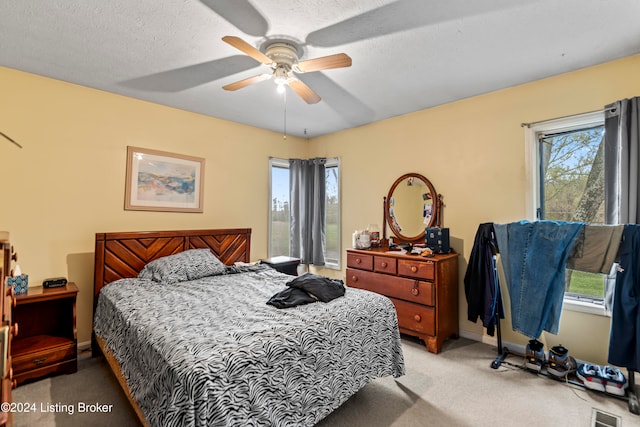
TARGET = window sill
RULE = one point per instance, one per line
(584, 307)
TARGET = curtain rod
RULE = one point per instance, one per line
(604, 110)
(328, 158)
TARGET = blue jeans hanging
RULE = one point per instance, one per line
(624, 343)
(534, 257)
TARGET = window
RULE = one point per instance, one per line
(279, 210)
(568, 180)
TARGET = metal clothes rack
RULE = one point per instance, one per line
(504, 352)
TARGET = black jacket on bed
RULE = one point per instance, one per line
(306, 289)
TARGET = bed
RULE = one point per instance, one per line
(199, 346)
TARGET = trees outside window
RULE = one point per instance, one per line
(279, 214)
(569, 182)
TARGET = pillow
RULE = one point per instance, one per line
(188, 265)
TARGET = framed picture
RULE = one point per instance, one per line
(161, 181)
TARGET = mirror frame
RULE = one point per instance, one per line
(435, 218)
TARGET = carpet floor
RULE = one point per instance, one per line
(454, 388)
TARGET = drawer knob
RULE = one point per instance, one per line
(414, 268)
(417, 318)
(354, 278)
(15, 330)
(415, 292)
(358, 261)
(383, 264)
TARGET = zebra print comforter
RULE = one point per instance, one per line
(211, 352)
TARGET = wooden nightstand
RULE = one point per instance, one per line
(283, 264)
(47, 340)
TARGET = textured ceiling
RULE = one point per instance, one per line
(407, 54)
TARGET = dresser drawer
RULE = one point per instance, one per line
(383, 264)
(415, 317)
(361, 261)
(416, 291)
(38, 359)
(416, 268)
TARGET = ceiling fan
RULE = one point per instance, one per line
(282, 57)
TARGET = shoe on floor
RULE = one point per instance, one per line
(592, 376)
(560, 364)
(534, 355)
(616, 382)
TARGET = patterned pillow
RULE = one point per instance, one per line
(188, 265)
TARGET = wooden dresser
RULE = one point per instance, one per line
(8, 329)
(423, 290)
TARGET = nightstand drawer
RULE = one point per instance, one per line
(60, 350)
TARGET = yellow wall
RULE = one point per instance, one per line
(473, 152)
(68, 181)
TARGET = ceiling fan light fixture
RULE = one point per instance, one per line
(281, 76)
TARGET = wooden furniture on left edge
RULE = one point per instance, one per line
(8, 331)
(423, 290)
(48, 341)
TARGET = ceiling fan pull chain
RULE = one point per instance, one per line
(284, 97)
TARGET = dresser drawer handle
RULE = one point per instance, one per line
(15, 330)
(358, 261)
(417, 318)
(383, 264)
(414, 268)
(354, 278)
(415, 291)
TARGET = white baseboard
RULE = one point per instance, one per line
(493, 341)
(84, 349)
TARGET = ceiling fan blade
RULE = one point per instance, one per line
(246, 82)
(304, 91)
(339, 60)
(241, 14)
(245, 47)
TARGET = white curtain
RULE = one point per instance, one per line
(307, 183)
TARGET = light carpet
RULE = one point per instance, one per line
(454, 388)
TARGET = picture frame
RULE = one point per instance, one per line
(162, 181)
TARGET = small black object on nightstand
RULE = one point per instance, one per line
(283, 264)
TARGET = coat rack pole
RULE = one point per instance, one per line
(631, 390)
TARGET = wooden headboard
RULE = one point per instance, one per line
(123, 255)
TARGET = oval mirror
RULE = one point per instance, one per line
(411, 206)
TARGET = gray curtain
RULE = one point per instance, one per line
(622, 159)
(307, 183)
(622, 162)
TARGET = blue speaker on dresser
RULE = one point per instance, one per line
(437, 239)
